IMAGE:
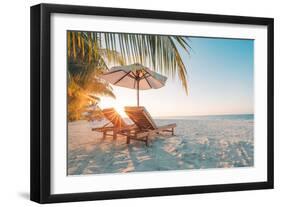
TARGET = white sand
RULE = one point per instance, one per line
(197, 144)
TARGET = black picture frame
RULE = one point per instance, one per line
(41, 98)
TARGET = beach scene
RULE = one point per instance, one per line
(143, 103)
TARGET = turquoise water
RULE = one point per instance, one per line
(213, 117)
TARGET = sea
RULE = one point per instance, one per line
(212, 117)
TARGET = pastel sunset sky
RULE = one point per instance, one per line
(220, 75)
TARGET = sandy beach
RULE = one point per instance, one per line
(197, 144)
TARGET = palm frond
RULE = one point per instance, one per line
(90, 53)
(159, 52)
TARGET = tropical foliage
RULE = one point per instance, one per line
(91, 53)
(85, 65)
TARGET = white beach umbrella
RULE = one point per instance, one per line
(135, 76)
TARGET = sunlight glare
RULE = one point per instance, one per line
(120, 110)
(108, 103)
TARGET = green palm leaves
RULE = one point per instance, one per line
(92, 53)
(159, 52)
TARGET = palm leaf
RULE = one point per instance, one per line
(159, 52)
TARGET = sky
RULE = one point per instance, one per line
(220, 74)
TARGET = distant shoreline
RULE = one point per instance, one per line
(218, 116)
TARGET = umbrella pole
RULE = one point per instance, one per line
(138, 91)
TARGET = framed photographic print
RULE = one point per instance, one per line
(133, 103)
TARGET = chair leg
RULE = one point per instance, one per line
(128, 140)
(104, 135)
(173, 131)
(114, 135)
(146, 141)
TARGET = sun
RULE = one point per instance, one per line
(116, 104)
(120, 109)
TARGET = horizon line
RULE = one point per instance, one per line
(207, 115)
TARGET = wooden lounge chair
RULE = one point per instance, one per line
(146, 125)
(116, 124)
